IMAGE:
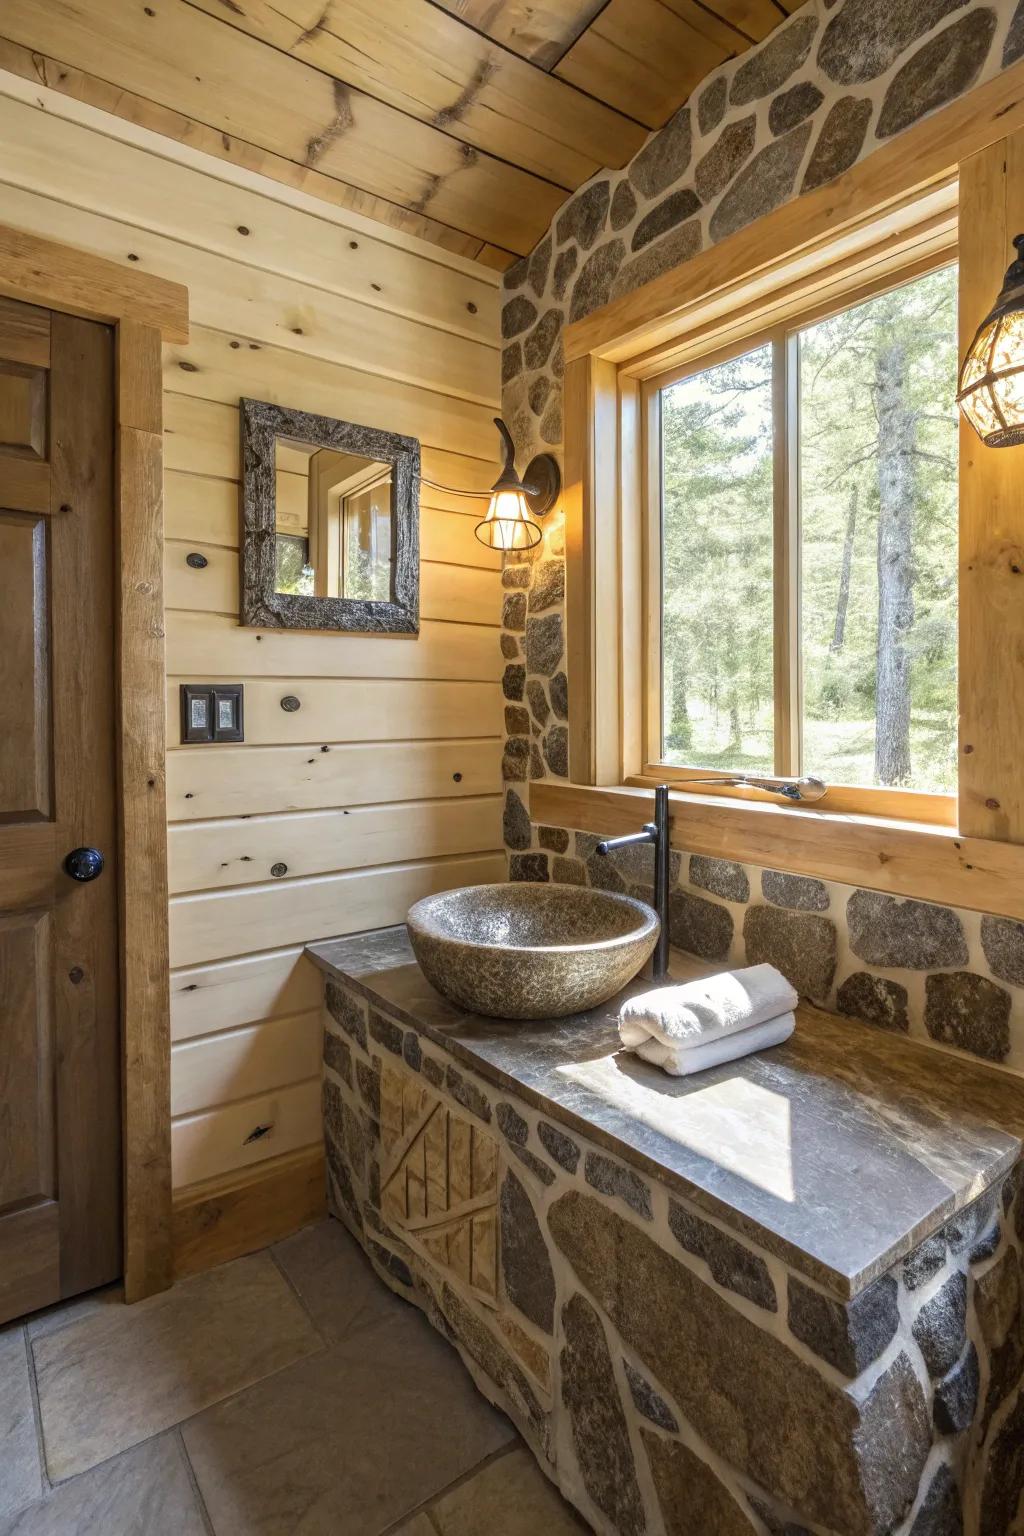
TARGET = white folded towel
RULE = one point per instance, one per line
(694, 1013)
(681, 1061)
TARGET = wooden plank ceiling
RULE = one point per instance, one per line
(467, 122)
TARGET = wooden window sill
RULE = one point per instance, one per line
(903, 858)
(885, 805)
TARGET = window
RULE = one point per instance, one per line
(803, 515)
(716, 541)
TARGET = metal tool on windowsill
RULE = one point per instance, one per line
(791, 789)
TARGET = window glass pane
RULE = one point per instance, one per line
(366, 515)
(717, 691)
(878, 508)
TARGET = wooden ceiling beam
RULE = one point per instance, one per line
(170, 53)
(539, 30)
(642, 56)
(754, 19)
(433, 68)
(645, 56)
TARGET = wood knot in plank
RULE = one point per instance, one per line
(339, 124)
(485, 71)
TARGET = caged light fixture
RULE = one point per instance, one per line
(991, 383)
(508, 524)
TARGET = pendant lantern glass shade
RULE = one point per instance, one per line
(991, 383)
(508, 524)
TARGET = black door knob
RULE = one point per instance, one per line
(84, 863)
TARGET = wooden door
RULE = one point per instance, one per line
(60, 1085)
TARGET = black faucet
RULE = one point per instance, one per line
(655, 832)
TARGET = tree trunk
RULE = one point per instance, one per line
(680, 727)
(735, 734)
(732, 667)
(843, 600)
(896, 505)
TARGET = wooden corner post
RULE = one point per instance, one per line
(145, 975)
(991, 682)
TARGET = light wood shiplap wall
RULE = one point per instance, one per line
(385, 784)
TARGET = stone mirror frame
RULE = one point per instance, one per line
(317, 598)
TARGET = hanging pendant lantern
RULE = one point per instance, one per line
(991, 383)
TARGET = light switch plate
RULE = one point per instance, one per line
(212, 712)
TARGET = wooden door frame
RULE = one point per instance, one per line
(144, 311)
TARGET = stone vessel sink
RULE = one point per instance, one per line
(523, 951)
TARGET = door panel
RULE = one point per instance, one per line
(26, 484)
(29, 865)
(23, 410)
(60, 1185)
(30, 1258)
(24, 334)
(26, 987)
(24, 681)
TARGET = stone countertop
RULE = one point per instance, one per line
(840, 1151)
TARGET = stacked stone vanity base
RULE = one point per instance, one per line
(666, 1375)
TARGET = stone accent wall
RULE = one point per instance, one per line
(828, 86)
(949, 977)
(667, 1376)
(835, 81)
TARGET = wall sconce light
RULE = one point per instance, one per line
(508, 524)
(991, 383)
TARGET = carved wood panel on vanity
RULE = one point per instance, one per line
(439, 1181)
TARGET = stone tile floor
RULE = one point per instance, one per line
(285, 1394)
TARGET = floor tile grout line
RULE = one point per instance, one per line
(220, 1402)
(37, 1413)
(355, 1327)
(515, 1443)
(205, 1515)
(127, 1450)
(180, 1425)
(289, 1282)
(426, 1507)
(71, 1303)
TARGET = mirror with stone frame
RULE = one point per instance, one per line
(330, 523)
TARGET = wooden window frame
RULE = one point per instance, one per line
(144, 311)
(903, 804)
(891, 216)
